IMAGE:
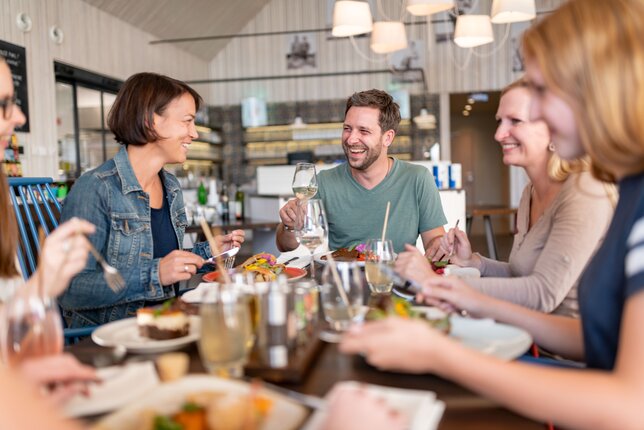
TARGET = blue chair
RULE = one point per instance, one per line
(36, 206)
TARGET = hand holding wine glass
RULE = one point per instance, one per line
(311, 227)
(305, 181)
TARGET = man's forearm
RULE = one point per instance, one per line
(285, 240)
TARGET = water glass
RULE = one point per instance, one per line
(379, 253)
(305, 181)
(226, 331)
(341, 310)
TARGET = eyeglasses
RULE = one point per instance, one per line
(7, 105)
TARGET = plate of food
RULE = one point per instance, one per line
(486, 335)
(265, 267)
(354, 253)
(200, 402)
(155, 329)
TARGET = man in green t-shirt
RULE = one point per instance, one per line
(355, 193)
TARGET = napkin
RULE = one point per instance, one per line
(422, 408)
(301, 254)
(121, 385)
(462, 272)
(196, 295)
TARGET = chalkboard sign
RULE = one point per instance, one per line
(15, 57)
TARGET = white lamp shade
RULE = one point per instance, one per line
(507, 11)
(428, 7)
(425, 120)
(351, 18)
(473, 30)
(388, 36)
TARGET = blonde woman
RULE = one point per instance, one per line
(585, 66)
(562, 216)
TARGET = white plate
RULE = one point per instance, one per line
(126, 333)
(168, 398)
(486, 335)
(421, 408)
(319, 260)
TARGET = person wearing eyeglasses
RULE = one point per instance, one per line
(63, 254)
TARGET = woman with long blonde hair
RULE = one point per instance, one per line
(585, 66)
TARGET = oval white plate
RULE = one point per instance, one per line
(486, 335)
(167, 398)
(126, 333)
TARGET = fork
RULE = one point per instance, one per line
(112, 276)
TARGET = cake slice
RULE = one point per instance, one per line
(163, 322)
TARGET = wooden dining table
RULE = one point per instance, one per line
(464, 409)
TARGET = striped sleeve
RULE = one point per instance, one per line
(634, 264)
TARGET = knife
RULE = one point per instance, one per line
(313, 402)
(230, 253)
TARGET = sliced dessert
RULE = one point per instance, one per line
(163, 322)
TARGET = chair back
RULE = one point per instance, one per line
(35, 206)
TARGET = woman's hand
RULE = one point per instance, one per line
(413, 265)
(452, 294)
(396, 344)
(355, 408)
(457, 246)
(64, 254)
(61, 376)
(231, 240)
(178, 266)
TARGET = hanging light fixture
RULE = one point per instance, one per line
(473, 30)
(428, 7)
(388, 36)
(425, 120)
(507, 11)
(351, 18)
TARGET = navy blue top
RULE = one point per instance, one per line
(164, 241)
(615, 273)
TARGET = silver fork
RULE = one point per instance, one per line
(112, 276)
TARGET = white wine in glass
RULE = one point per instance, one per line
(305, 181)
(379, 253)
(311, 227)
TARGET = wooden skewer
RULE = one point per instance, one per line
(338, 283)
(215, 250)
(384, 226)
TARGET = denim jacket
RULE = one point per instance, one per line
(112, 199)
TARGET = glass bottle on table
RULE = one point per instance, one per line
(305, 181)
(311, 227)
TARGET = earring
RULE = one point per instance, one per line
(551, 147)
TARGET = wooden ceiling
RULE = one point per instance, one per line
(171, 19)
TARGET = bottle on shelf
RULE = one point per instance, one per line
(225, 208)
(202, 195)
(239, 204)
(213, 196)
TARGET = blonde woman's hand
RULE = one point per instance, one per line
(457, 247)
(399, 344)
(64, 254)
(413, 265)
(452, 294)
(178, 266)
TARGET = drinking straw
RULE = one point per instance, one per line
(384, 226)
(215, 251)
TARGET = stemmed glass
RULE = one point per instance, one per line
(340, 312)
(311, 227)
(305, 181)
(31, 327)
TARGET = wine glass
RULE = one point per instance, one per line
(305, 181)
(341, 310)
(311, 228)
(379, 253)
(226, 331)
(31, 327)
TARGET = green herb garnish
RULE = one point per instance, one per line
(191, 407)
(163, 308)
(161, 422)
